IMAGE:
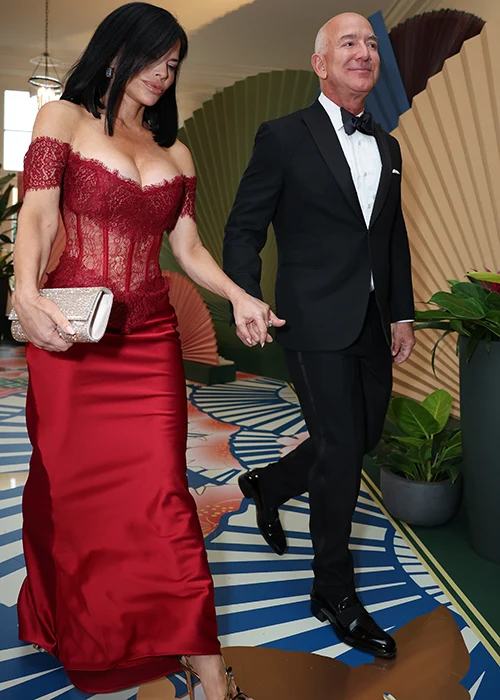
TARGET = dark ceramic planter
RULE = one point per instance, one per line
(480, 421)
(420, 503)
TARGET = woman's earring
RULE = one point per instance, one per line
(109, 72)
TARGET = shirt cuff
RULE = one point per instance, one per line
(406, 320)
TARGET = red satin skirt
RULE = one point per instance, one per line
(118, 582)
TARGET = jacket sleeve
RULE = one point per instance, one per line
(252, 212)
(402, 305)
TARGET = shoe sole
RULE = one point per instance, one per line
(323, 615)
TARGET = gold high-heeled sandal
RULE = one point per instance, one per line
(189, 671)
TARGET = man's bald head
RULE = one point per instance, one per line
(332, 27)
(346, 59)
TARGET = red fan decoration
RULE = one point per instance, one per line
(196, 328)
(422, 44)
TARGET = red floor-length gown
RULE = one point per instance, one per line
(118, 583)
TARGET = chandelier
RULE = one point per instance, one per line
(45, 77)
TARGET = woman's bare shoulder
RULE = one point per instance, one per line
(183, 159)
(59, 120)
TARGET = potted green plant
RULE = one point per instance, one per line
(472, 311)
(7, 229)
(418, 457)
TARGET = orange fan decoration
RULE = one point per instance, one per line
(196, 328)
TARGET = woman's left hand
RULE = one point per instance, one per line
(253, 318)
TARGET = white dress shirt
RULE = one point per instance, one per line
(363, 157)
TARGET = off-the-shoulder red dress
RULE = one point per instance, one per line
(117, 583)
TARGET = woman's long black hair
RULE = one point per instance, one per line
(137, 35)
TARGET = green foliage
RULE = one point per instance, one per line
(417, 444)
(470, 309)
(7, 214)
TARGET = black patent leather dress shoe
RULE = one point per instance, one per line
(268, 520)
(353, 625)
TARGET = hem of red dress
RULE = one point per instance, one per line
(120, 677)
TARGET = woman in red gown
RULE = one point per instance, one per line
(118, 585)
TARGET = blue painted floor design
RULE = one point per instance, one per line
(262, 600)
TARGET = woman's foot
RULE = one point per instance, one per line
(217, 682)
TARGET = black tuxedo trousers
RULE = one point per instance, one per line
(344, 397)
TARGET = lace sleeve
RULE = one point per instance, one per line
(44, 163)
(189, 198)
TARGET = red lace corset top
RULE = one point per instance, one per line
(114, 227)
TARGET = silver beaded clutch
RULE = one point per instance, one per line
(87, 308)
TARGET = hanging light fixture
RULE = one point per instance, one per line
(45, 77)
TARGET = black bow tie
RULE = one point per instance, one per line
(352, 123)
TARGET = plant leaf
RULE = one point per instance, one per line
(6, 178)
(458, 306)
(451, 447)
(432, 315)
(399, 463)
(411, 441)
(493, 321)
(458, 327)
(454, 472)
(434, 349)
(11, 211)
(493, 300)
(477, 335)
(390, 417)
(485, 276)
(4, 201)
(439, 405)
(466, 290)
(413, 419)
(435, 325)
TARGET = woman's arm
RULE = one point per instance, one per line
(38, 224)
(252, 316)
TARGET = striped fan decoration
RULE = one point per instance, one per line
(196, 328)
(450, 140)
(422, 44)
(220, 136)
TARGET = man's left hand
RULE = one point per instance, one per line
(403, 341)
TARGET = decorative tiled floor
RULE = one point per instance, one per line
(262, 600)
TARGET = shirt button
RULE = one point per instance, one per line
(365, 174)
(359, 143)
(369, 206)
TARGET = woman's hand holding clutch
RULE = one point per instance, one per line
(42, 322)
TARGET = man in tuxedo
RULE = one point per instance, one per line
(329, 180)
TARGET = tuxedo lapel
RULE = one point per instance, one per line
(319, 124)
(385, 175)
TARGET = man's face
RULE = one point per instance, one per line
(352, 59)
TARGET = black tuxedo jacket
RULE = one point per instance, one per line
(298, 179)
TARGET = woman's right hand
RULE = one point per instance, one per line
(41, 320)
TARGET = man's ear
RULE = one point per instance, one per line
(318, 63)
